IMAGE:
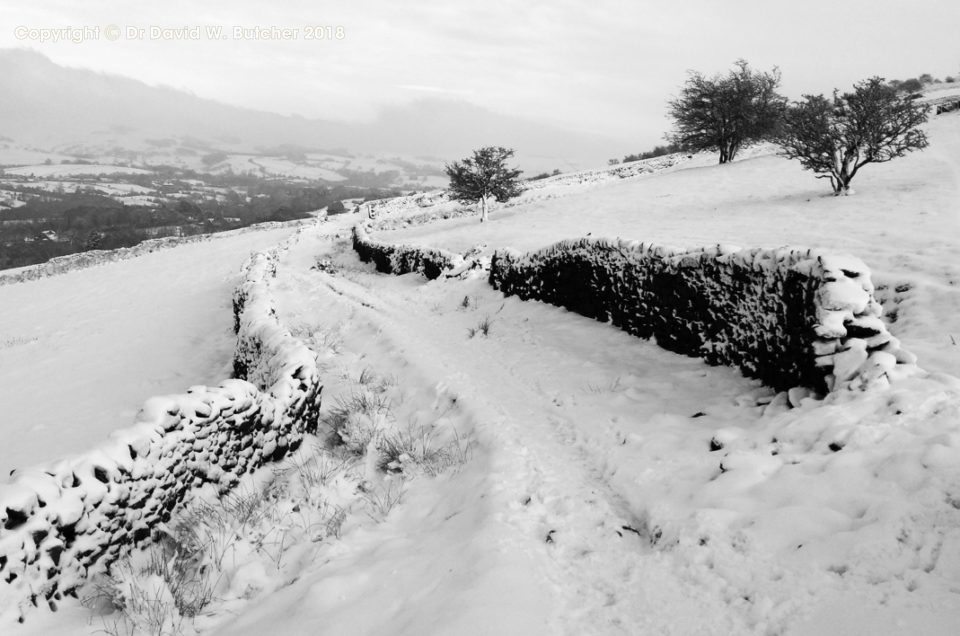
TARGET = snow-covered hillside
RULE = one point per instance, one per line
(903, 221)
(603, 485)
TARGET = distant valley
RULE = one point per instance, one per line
(96, 161)
(77, 204)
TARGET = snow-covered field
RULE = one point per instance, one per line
(80, 352)
(605, 486)
(938, 91)
(72, 169)
(125, 190)
(279, 166)
(24, 161)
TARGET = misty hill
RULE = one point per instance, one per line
(60, 108)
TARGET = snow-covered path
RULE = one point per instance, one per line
(562, 549)
(597, 501)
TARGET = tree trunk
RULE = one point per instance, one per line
(732, 152)
(728, 150)
(840, 186)
(841, 182)
(483, 209)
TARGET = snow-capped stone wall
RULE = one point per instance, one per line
(82, 260)
(59, 520)
(403, 205)
(442, 214)
(403, 259)
(627, 170)
(789, 317)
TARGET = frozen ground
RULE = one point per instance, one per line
(612, 487)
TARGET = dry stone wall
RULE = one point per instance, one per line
(92, 258)
(403, 259)
(789, 317)
(57, 521)
(443, 214)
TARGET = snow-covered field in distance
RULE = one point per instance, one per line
(72, 169)
(614, 488)
(408, 171)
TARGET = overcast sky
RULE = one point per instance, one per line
(603, 66)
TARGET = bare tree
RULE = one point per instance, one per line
(483, 176)
(835, 138)
(723, 112)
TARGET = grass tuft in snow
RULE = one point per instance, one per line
(367, 376)
(158, 589)
(384, 498)
(363, 423)
(318, 338)
(319, 468)
(469, 301)
(483, 328)
(614, 386)
(357, 418)
(15, 341)
(374, 381)
(416, 448)
(138, 604)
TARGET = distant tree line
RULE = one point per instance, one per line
(658, 151)
(545, 175)
(916, 84)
